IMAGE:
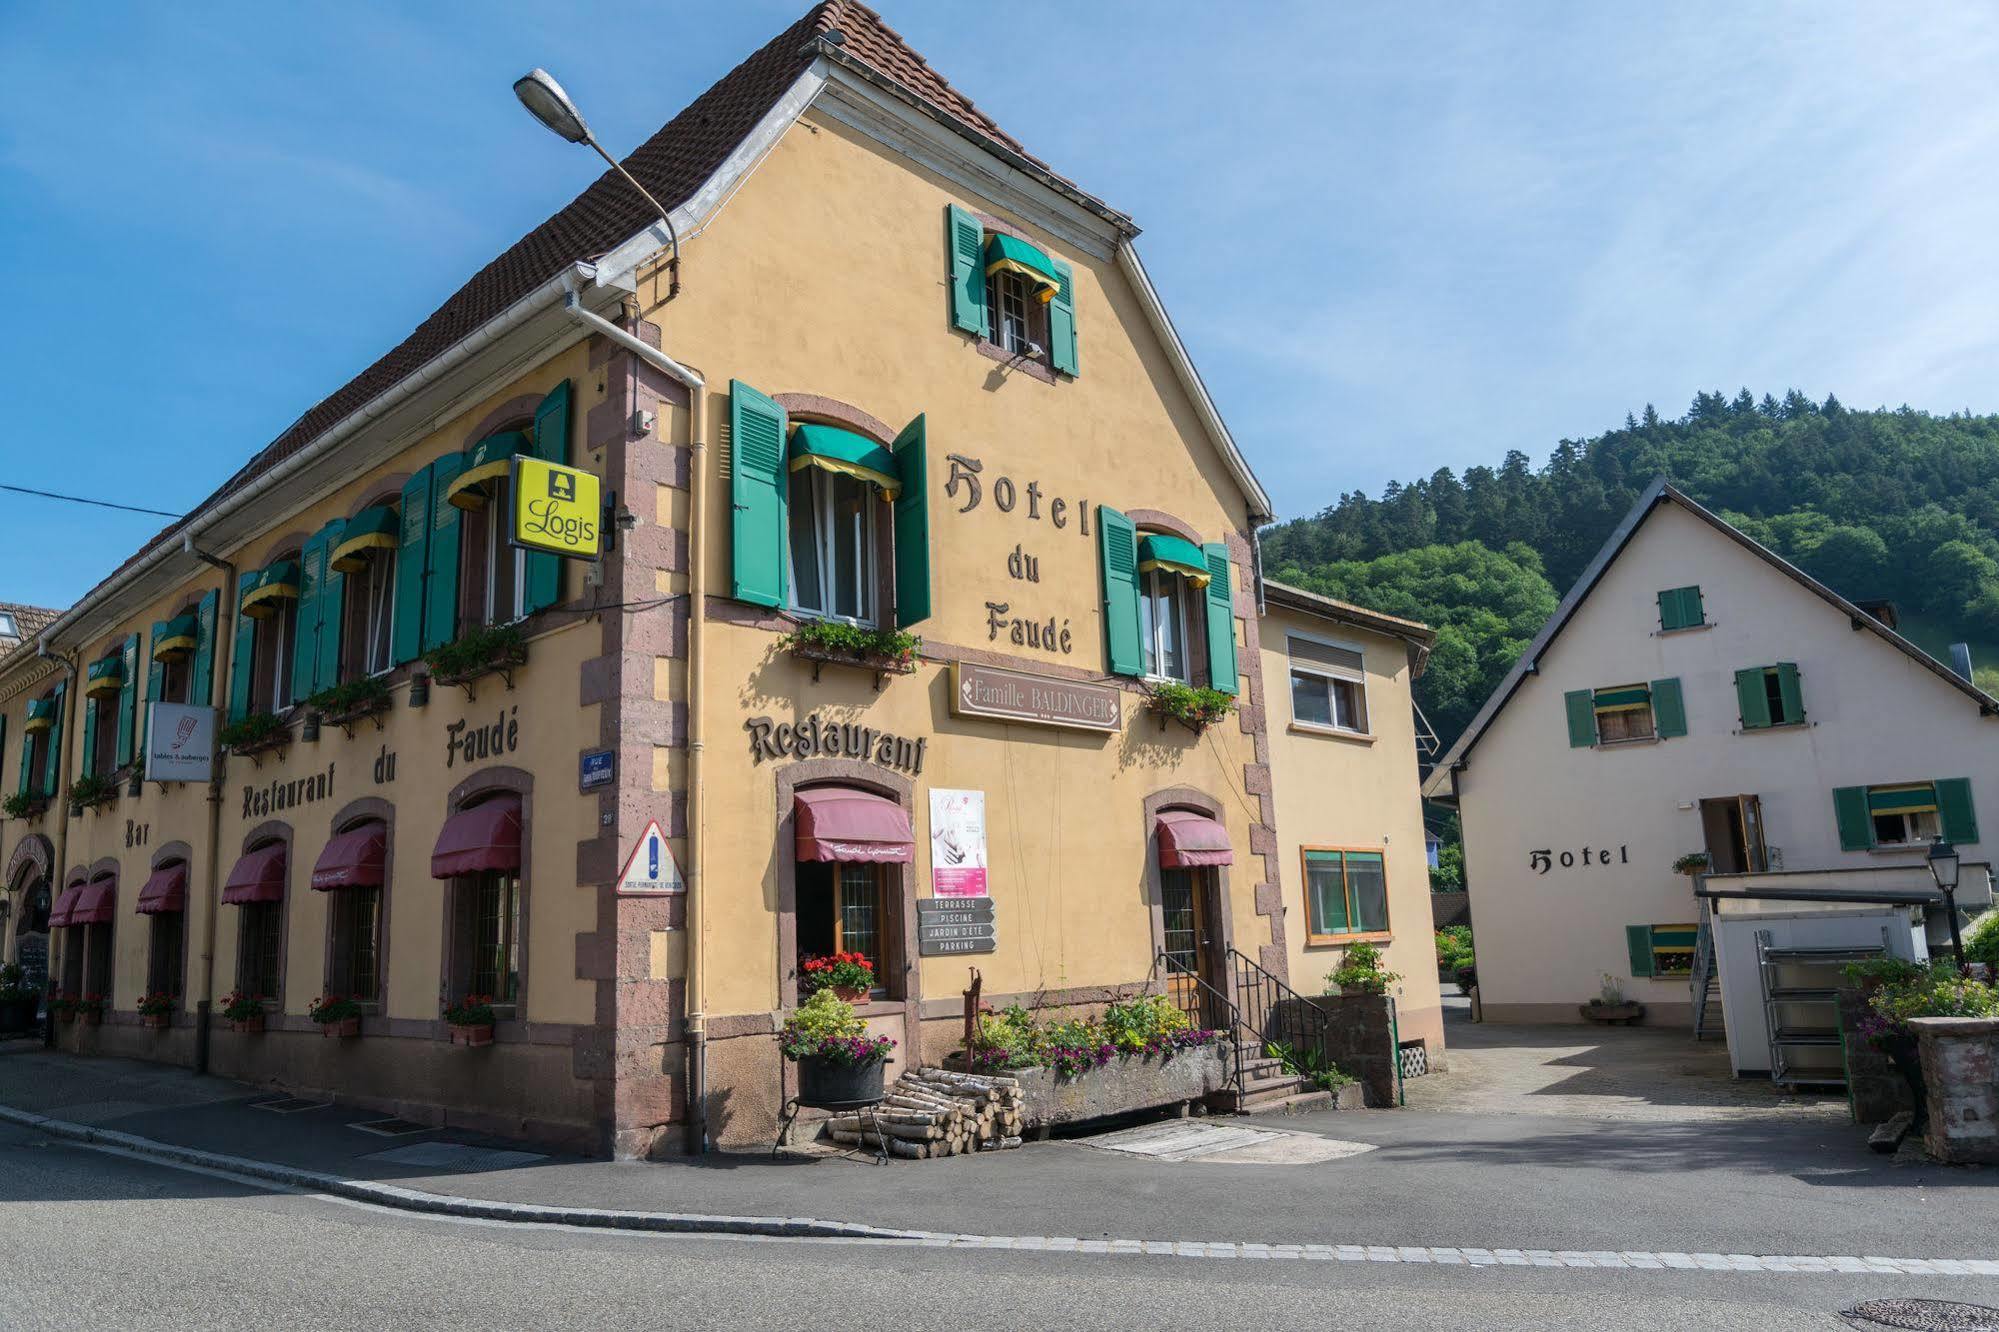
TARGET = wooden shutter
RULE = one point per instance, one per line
(912, 526)
(1669, 609)
(1955, 814)
(1062, 321)
(1669, 709)
(1750, 700)
(1790, 691)
(1581, 707)
(27, 782)
(1222, 672)
(128, 703)
(305, 633)
(332, 603)
(1638, 944)
(1856, 826)
(412, 549)
(89, 764)
(52, 760)
(201, 672)
(243, 654)
(1117, 549)
(1692, 611)
(757, 490)
(440, 584)
(542, 572)
(965, 239)
(156, 670)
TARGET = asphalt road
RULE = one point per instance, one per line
(91, 1239)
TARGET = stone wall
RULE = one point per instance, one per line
(1961, 1074)
(1360, 1039)
(1875, 1092)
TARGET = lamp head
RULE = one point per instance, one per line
(545, 99)
(1944, 864)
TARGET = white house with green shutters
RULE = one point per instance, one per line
(1696, 694)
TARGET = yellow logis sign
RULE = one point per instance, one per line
(557, 508)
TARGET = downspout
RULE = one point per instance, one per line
(225, 615)
(61, 798)
(697, 567)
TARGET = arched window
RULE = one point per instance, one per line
(352, 871)
(366, 556)
(841, 487)
(1172, 576)
(163, 901)
(257, 888)
(266, 638)
(491, 571)
(851, 845)
(479, 852)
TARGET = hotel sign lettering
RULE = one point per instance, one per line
(1004, 695)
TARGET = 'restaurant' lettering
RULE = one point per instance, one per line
(817, 738)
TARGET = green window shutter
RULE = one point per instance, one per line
(243, 654)
(1669, 609)
(156, 669)
(305, 641)
(1856, 827)
(89, 764)
(1692, 612)
(1117, 549)
(1638, 943)
(27, 782)
(1581, 707)
(1789, 690)
(1954, 810)
(52, 760)
(440, 584)
(542, 575)
(912, 526)
(1750, 699)
(1669, 709)
(1062, 321)
(128, 704)
(965, 239)
(201, 671)
(1222, 672)
(412, 549)
(332, 601)
(758, 488)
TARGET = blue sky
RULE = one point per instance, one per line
(1395, 237)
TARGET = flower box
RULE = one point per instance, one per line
(156, 1021)
(482, 652)
(1194, 707)
(342, 1028)
(1127, 1084)
(253, 1026)
(880, 663)
(92, 1019)
(1623, 1014)
(472, 1034)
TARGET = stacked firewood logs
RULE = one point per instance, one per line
(932, 1112)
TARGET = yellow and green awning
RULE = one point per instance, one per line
(175, 638)
(41, 715)
(485, 462)
(1624, 699)
(1901, 799)
(371, 529)
(1174, 555)
(1011, 254)
(274, 584)
(105, 676)
(832, 449)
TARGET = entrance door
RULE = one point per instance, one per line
(1192, 944)
(1733, 826)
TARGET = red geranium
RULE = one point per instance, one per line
(839, 971)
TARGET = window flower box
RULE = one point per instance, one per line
(1193, 706)
(471, 1021)
(244, 1013)
(254, 735)
(886, 652)
(90, 1010)
(249, 1026)
(24, 805)
(90, 792)
(337, 1015)
(352, 702)
(156, 1010)
(498, 650)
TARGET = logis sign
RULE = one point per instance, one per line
(557, 509)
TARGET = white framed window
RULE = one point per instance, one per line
(1162, 620)
(271, 658)
(833, 544)
(493, 575)
(1910, 828)
(369, 608)
(1328, 685)
(1019, 319)
(1624, 712)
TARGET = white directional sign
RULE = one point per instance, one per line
(651, 867)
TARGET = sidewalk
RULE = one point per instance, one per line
(1767, 1185)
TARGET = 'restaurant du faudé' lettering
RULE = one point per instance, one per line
(816, 738)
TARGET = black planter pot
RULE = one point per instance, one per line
(1904, 1052)
(827, 1086)
(17, 1014)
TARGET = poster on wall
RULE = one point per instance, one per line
(957, 843)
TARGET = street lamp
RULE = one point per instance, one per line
(548, 103)
(1943, 868)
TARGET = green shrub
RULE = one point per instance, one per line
(1982, 944)
(1311, 1065)
(1884, 971)
(1360, 972)
(852, 640)
(249, 732)
(350, 696)
(478, 650)
(1190, 705)
(1454, 947)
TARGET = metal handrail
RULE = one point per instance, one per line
(1207, 1001)
(1278, 1014)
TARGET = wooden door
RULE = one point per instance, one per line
(1190, 941)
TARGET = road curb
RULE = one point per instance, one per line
(446, 1204)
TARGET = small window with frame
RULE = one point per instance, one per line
(1346, 894)
(836, 523)
(1018, 314)
(852, 907)
(1624, 712)
(1328, 686)
(1903, 815)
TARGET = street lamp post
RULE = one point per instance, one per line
(1943, 868)
(547, 102)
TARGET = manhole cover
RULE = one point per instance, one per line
(1924, 1315)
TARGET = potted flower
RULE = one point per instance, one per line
(243, 1012)
(62, 1004)
(1195, 707)
(88, 792)
(1610, 1005)
(471, 1020)
(1691, 864)
(478, 652)
(17, 998)
(839, 1064)
(351, 701)
(848, 975)
(1361, 972)
(883, 651)
(156, 1010)
(24, 805)
(91, 1009)
(337, 1015)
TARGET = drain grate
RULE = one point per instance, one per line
(289, 1105)
(1924, 1315)
(390, 1128)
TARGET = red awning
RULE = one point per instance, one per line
(258, 877)
(1189, 841)
(65, 900)
(95, 903)
(353, 859)
(841, 823)
(165, 894)
(484, 837)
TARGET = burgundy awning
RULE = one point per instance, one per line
(96, 902)
(65, 901)
(484, 837)
(165, 894)
(1190, 841)
(258, 877)
(841, 823)
(353, 859)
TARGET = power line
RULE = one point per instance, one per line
(78, 499)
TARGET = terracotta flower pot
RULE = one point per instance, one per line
(157, 1021)
(481, 1034)
(342, 1029)
(851, 994)
(93, 1019)
(251, 1026)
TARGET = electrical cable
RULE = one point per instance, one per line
(78, 499)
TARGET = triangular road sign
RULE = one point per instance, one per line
(651, 867)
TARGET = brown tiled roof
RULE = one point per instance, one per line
(672, 164)
(29, 620)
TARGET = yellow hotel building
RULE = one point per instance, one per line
(900, 378)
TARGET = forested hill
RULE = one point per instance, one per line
(1901, 505)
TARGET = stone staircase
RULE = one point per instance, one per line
(1267, 1089)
